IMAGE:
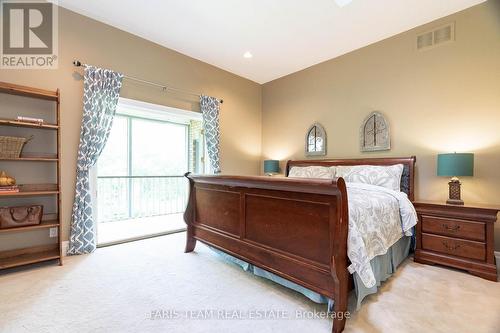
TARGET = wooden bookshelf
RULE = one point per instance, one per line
(34, 254)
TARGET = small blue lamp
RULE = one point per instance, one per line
(271, 167)
(454, 165)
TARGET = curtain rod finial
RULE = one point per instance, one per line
(77, 63)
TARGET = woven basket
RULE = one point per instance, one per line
(11, 147)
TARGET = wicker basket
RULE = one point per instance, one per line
(11, 147)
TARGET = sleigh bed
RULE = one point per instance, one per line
(294, 228)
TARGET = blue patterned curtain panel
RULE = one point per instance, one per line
(100, 97)
(210, 111)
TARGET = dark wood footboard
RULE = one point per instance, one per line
(294, 228)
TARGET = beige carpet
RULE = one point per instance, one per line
(117, 289)
(116, 231)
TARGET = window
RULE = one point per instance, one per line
(140, 172)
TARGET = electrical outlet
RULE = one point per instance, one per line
(52, 232)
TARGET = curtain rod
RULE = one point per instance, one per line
(78, 63)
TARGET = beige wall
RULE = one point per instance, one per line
(440, 100)
(96, 43)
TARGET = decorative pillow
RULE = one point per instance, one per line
(312, 172)
(386, 176)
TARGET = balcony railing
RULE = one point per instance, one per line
(130, 197)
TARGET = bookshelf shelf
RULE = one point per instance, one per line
(30, 159)
(31, 255)
(17, 123)
(32, 190)
(33, 157)
(42, 225)
(14, 89)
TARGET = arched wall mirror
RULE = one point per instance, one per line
(375, 133)
(315, 140)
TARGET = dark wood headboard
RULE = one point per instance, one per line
(407, 179)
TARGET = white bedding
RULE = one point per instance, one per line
(378, 218)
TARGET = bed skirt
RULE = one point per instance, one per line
(383, 267)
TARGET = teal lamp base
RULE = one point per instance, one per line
(454, 192)
(271, 167)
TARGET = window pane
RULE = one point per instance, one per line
(196, 148)
(158, 148)
(113, 160)
(113, 192)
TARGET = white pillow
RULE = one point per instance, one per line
(386, 176)
(312, 172)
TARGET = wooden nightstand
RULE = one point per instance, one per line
(457, 236)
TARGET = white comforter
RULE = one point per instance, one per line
(378, 218)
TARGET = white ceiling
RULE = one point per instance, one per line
(284, 36)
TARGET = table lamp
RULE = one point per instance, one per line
(271, 167)
(455, 165)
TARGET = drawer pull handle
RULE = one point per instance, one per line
(453, 228)
(453, 247)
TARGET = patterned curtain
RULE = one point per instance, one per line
(210, 111)
(100, 97)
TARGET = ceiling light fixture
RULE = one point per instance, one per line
(342, 3)
(247, 55)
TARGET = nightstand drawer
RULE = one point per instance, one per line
(453, 246)
(455, 228)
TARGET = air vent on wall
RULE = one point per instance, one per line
(436, 37)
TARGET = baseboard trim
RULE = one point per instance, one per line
(497, 256)
(134, 239)
(65, 244)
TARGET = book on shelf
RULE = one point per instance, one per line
(9, 189)
(30, 120)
